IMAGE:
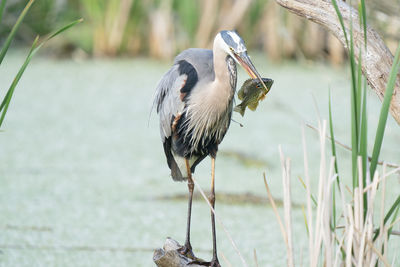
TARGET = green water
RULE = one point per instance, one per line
(82, 167)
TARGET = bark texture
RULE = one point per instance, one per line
(376, 62)
(168, 256)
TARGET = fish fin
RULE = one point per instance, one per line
(240, 109)
(253, 106)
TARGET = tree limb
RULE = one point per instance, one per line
(376, 62)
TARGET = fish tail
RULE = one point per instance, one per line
(240, 109)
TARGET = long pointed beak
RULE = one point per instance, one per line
(245, 62)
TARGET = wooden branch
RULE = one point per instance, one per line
(376, 63)
(169, 256)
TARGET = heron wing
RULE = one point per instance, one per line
(170, 99)
(167, 99)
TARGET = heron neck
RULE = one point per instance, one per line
(221, 70)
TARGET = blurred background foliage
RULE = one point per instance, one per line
(162, 28)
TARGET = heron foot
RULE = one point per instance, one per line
(215, 263)
(187, 251)
(212, 263)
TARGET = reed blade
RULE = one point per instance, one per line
(353, 107)
(2, 6)
(6, 101)
(396, 213)
(333, 147)
(392, 209)
(64, 28)
(340, 17)
(14, 30)
(34, 48)
(364, 20)
(384, 111)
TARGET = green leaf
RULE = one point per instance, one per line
(305, 187)
(395, 205)
(364, 21)
(14, 30)
(305, 219)
(384, 111)
(396, 213)
(2, 5)
(333, 146)
(7, 98)
(34, 48)
(353, 107)
(393, 208)
(4, 100)
(359, 95)
(66, 27)
(362, 89)
(364, 140)
(339, 14)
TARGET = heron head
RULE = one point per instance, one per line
(233, 45)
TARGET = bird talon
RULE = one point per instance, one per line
(213, 263)
(186, 250)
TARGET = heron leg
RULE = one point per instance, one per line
(214, 261)
(187, 248)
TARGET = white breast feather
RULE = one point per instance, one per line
(208, 112)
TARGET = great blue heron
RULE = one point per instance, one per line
(194, 100)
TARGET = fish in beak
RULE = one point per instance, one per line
(244, 60)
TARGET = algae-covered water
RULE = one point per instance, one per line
(84, 181)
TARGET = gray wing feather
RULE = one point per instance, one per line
(167, 99)
(201, 60)
(167, 96)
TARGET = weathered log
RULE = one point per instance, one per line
(169, 256)
(376, 63)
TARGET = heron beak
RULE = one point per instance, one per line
(245, 62)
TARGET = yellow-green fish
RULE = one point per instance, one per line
(251, 93)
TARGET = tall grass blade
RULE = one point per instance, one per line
(305, 219)
(4, 100)
(34, 48)
(392, 209)
(305, 187)
(353, 107)
(364, 20)
(7, 98)
(359, 96)
(2, 5)
(364, 140)
(396, 213)
(333, 146)
(384, 111)
(62, 29)
(362, 89)
(339, 14)
(395, 206)
(14, 30)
